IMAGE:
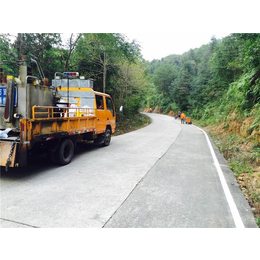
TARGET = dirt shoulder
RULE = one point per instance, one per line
(243, 156)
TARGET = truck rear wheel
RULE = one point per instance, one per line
(65, 152)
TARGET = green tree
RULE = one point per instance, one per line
(181, 86)
(71, 43)
(225, 62)
(250, 50)
(131, 86)
(8, 55)
(163, 76)
(105, 50)
(43, 47)
(200, 88)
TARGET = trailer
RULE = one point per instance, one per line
(35, 117)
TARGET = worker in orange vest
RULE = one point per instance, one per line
(150, 110)
(183, 116)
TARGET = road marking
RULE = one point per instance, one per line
(18, 222)
(233, 208)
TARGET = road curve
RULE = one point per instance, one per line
(162, 175)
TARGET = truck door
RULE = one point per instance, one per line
(110, 113)
(100, 114)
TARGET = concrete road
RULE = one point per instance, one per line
(160, 176)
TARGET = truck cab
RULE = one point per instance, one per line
(82, 95)
(105, 113)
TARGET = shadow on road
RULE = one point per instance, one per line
(38, 164)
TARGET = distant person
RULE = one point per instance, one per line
(150, 110)
(179, 114)
(183, 116)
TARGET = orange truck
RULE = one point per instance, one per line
(35, 117)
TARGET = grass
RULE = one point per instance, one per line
(125, 124)
(258, 221)
(239, 167)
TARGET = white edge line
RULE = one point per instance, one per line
(233, 208)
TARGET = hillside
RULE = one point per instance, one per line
(218, 85)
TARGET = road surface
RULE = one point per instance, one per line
(161, 176)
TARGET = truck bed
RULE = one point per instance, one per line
(48, 121)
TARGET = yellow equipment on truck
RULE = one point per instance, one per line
(35, 117)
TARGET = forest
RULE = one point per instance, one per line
(217, 85)
(113, 63)
(215, 79)
(217, 82)
(207, 83)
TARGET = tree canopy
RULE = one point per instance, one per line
(109, 59)
(210, 77)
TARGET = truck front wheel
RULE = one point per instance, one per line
(107, 138)
(65, 152)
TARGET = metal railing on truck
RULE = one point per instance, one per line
(43, 112)
(54, 120)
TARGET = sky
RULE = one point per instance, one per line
(161, 27)
(160, 45)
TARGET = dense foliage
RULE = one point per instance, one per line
(110, 60)
(208, 82)
(211, 81)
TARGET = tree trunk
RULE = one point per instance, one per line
(72, 46)
(126, 85)
(104, 74)
(67, 61)
(20, 46)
